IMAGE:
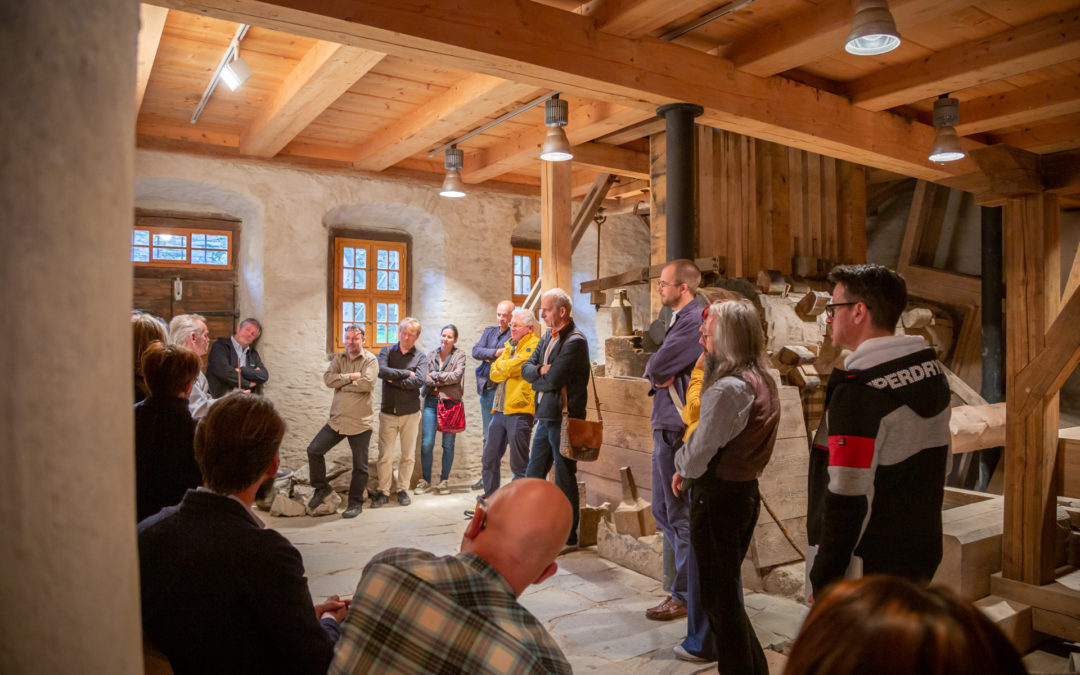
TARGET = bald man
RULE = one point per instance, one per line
(416, 613)
(489, 347)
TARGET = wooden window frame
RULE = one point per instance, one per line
(534, 258)
(187, 233)
(370, 295)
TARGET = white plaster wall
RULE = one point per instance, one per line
(460, 259)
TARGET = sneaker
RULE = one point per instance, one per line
(421, 487)
(380, 499)
(403, 498)
(684, 655)
(320, 495)
(444, 489)
(478, 485)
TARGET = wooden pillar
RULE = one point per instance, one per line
(1032, 277)
(657, 212)
(555, 234)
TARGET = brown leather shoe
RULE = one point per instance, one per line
(650, 613)
(669, 610)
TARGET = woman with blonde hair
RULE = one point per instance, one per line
(145, 330)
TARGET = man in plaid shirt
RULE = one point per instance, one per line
(414, 612)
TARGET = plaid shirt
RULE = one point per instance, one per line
(415, 613)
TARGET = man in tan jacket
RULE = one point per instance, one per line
(352, 376)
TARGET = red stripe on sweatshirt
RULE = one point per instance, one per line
(854, 452)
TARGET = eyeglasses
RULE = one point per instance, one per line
(830, 309)
(519, 325)
(664, 284)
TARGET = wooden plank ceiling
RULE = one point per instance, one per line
(375, 85)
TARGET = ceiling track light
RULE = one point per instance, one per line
(556, 145)
(873, 30)
(946, 147)
(236, 72)
(453, 161)
(232, 69)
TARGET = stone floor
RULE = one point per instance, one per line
(595, 609)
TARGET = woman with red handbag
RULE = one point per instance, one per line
(443, 408)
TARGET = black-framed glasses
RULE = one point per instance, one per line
(830, 309)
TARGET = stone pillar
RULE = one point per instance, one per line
(69, 587)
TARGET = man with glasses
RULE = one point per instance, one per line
(879, 458)
(189, 330)
(668, 371)
(462, 610)
(512, 406)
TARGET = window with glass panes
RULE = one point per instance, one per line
(369, 289)
(181, 247)
(526, 272)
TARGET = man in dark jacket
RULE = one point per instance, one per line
(220, 593)
(488, 348)
(560, 361)
(879, 458)
(403, 369)
(235, 364)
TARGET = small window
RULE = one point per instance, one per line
(181, 247)
(526, 272)
(369, 289)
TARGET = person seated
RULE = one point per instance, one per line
(887, 625)
(220, 593)
(414, 612)
(165, 465)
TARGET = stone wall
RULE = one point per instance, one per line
(460, 257)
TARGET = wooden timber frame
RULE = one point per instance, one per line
(1042, 349)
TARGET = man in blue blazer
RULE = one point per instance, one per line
(220, 593)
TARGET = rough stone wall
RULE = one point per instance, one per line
(459, 256)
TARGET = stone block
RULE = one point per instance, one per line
(1013, 618)
(641, 554)
(788, 581)
(634, 515)
(590, 521)
(971, 547)
(328, 507)
(286, 507)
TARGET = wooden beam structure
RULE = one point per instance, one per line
(151, 24)
(1020, 106)
(637, 18)
(512, 40)
(555, 235)
(612, 159)
(593, 201)
(468, 103)
(326, 72)
(1013, 52)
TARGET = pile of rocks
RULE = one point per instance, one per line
(289, 495)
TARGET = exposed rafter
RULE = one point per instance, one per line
(612, 159)
(326, 72)
(463, 105)
(513, 40)
(635, 18)
(151, 24)
(1048, 41)
(1020, 106)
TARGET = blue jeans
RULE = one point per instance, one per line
(672, 513)
(487, 401)
(545, 451)
(427, 441)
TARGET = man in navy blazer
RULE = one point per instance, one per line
(220, 593)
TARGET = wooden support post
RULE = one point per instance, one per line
(1032, 277)
(555, 235)
(657, 211)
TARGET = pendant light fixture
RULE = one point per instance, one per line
(556, 146)
(873, 31)
(946, 147)
(453, 160)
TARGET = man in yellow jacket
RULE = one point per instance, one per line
(513, 407)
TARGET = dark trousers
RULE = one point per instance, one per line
(722, 518)
(358, 443)
(672, 513)
(545, 451)
(515, 430)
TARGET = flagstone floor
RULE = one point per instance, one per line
(594, 608)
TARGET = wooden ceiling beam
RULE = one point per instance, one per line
(612, 159)
(634, 132)
(637, 18)
(467, 103)
(1039, 44)
(1056, 135)
(820, 31)
(586, 123)
(514, 40)
(628, 189)
(151, 24)
(325, 72)
(1020, 106)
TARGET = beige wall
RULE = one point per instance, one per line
(69, 596)
(460, 255)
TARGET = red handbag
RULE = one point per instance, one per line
(449, 416)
